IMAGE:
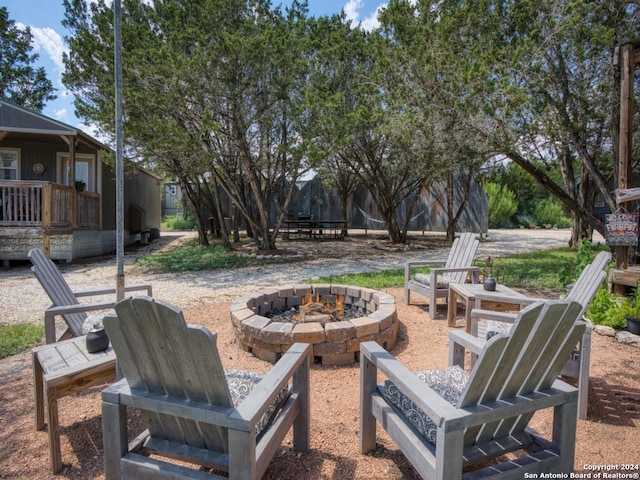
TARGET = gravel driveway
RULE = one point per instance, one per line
(24, 300)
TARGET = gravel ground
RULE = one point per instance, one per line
(24, 300)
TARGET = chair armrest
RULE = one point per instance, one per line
(77, 308)
(112, 291)
(293, 363)
(53, 311)
(475, 271)
(423, 263)
(467, 341)
(419, 392)
(480, 313)
(418, 263)
(459, 343)
(457, 269)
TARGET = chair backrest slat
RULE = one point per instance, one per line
(462, 253)
(56, 288)
(589, 281)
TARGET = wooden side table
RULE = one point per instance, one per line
(60, 369)
(503, 298)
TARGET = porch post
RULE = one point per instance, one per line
(71, 168)
(46, 218)
(627, 64)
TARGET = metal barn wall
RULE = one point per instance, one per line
(430, 214)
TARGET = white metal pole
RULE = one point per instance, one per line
(117, 29)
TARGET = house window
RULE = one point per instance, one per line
(9, 162)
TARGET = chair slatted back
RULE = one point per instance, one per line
(529, 358)
(462, 253)
(159, 353)
(57, 289)
(589, 281)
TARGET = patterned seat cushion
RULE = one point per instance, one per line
(495, 327)
(241, 383)
(449, 383)
(425, 278)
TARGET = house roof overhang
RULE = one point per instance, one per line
(22, 121)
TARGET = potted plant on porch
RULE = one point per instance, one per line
(80, 185)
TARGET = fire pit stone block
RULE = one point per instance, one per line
(366, 326)
(310, 332)
(337, 331)
(253, 326)
(277, 332)
(329, 348)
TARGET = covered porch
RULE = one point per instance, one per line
(44, 209)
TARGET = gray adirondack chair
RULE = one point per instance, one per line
(444, 420)
(435, 284)
(485, 323)
(194, 410)
(65, 301)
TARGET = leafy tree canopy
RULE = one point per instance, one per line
(20, 82)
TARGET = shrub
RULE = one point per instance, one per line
(550, 212)
(611, 310)
(178, 222)
(502, 205)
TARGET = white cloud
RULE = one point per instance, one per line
(61, 114)
(352, 12)
(46, 41)
(372, 22)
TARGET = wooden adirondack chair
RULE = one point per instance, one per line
(65, 301)
(582, 292)
(435, 284)
(193, 409)
(446, 420)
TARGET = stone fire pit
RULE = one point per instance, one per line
(261, 330)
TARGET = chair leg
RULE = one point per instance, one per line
(368, 379)
(432, 304)
(38, 390)
(583, 374)
(302, 423)
(114, 435)
(564, 433)
(242, 455)
(54, 429)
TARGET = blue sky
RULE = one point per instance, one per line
(45, 17)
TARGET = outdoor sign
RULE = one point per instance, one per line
(621, 229)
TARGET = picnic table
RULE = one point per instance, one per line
(308, 228)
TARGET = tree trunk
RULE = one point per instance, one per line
(451, 226)
(193, 202)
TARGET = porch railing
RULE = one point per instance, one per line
(48, 205)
